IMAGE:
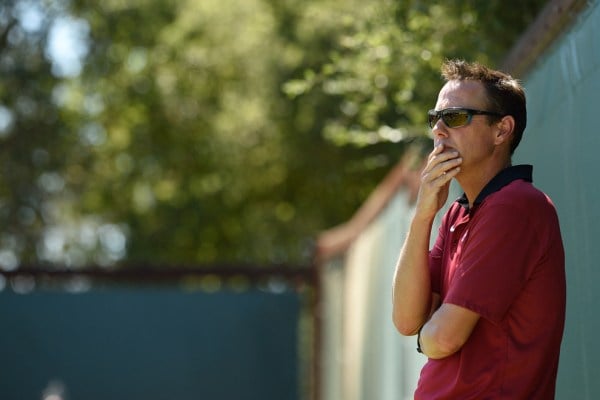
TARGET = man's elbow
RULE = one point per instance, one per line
(405, 326)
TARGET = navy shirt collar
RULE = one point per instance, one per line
(502, 179)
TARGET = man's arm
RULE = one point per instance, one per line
(412, 296)
(411, 292)
(447, 330)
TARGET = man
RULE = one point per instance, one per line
(488, 300)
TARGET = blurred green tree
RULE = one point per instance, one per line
(193, 132)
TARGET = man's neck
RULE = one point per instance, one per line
(473, 183)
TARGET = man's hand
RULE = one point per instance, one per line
(441, 167)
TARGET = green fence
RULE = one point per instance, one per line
(149, 343)
(562, 141)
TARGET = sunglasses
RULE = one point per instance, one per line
(455, 117)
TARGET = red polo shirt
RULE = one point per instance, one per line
(503, 259)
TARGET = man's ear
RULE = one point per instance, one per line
(506, 127)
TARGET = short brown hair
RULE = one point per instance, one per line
(505, 94)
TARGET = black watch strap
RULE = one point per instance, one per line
(419, 341)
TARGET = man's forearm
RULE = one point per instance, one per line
(412, 283)
(429, 346)
(447, 330)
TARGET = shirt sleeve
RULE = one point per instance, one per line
(435, 266)
(497, 257)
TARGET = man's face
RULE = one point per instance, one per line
(474, 141)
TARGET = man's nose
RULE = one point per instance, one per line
(439, 129)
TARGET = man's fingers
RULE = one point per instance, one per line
(446, 176)
(436, 170)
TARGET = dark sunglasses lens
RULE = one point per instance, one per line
(432, 118)
(454, 119)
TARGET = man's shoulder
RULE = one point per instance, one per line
(522, 192)
(523, 199)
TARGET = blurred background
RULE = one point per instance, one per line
(168, 167)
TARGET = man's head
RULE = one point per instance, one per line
(505, 95)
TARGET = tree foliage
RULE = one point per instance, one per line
(211, 131)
